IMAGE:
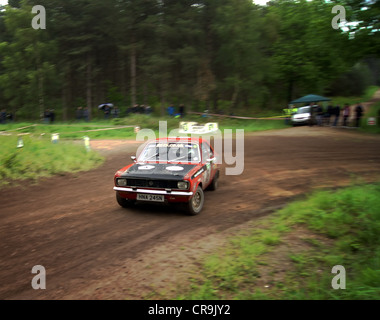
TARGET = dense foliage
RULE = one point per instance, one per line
(216, 54)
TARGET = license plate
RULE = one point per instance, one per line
(150, 197)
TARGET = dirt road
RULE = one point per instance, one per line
(93, 249)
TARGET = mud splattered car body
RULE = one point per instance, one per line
(169, 171)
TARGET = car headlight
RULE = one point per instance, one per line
(121, 182)
(183, 185)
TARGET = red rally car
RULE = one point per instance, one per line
(169, 171)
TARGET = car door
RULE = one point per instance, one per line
(208, 159)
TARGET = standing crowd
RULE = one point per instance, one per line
(334, 114)
(5, 116)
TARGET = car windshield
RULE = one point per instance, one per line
(303, 110)
(171, 152)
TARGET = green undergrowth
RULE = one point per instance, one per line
(290, 255)
(374, 112)
(41, 158)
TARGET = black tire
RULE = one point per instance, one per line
(195, 204)
(214, 184)
(125, 203)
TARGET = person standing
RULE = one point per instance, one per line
(107, 111)
(319, 111)
(52, 116)
(171, 110)
(312, 114)
(86, 114)
(337, 114)
(346, 114)
(329, 113)
(47, 116)
(182, 110)
(3, 116)
(79, 113)
(359, 114)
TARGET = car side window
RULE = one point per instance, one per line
(206, 152)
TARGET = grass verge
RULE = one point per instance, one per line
(374, 112)
(41, 158)
(290, 255)
(123, 128)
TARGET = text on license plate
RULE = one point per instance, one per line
(150, 197)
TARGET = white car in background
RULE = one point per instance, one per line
(302, 116)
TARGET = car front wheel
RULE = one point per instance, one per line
(125, 203)
(196, 202)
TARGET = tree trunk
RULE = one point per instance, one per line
(41, 100)
(235, 96)
(40, 80)
(163, 102)
(290, 90)
(133, 76)
(66, 97)
(89, 86)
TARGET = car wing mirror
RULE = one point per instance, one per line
(133, 158)
(211, 159)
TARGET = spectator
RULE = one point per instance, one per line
(3, 116)
(319, 111)
(182, 110)
(359, 114)
(346, 114)
(47, 116)
(328, 114)
(115, 112)
(107, 112)
(86, 114)
(79, 113)
(10, 116)
(52, 116)
(312, 114)
(148, 110)
(337, 114)
(171, 110)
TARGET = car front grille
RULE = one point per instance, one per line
(147, 183)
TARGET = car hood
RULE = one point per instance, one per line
(158, 171)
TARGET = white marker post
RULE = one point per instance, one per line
(87, 143)
(55, 138)
(20, 143)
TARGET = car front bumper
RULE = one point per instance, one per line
(170, 196)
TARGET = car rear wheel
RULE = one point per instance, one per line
(125, 203)
(195, 204)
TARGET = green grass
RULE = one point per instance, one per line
(374, 112)
(41, 158)
(120, 129)
(332, 228)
